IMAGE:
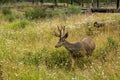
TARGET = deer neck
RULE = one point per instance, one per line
(69, 46)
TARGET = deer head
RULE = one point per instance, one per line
(62, 36)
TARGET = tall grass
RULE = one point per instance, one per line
(28, 53)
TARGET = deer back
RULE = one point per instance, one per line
(87, 46)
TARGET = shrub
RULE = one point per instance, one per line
(58, 59)
(6, 11)
(73, 10)
(111, 46)
(18, 25)
(31, 58)
(102, 53)
(42, 12)
(23, 23)
(54, 59)
(10, 17)
(36, 13)
(36, 58)
(89, 31)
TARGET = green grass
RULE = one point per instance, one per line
(18, 24)
(27, 49)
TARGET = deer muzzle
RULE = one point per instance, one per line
(57, 45)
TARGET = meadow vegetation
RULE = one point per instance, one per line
(27, 43)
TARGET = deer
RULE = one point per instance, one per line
(82, 48)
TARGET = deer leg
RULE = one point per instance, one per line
(83, 53)
(72, 64)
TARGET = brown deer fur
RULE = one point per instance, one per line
(84, 47)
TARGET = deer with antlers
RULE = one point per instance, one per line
(84, 47)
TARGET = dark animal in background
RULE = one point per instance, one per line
(99, 24)
(84, 47)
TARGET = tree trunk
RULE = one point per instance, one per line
(88, 4)
(92, 3)
(37, 2)
(67, 3)
(117, 3)
(33, 1)
(41, 1)
(55, 2)
(82, 3)
(14, 1)
(79, 2)
(97, 3)
(71, 2)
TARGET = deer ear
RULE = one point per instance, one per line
(66, 35)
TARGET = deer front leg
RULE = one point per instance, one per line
(72, 63)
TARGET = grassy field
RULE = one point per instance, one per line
(27, 49)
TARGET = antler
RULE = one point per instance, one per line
(61, 31)
(56, 34)
(63, 28)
